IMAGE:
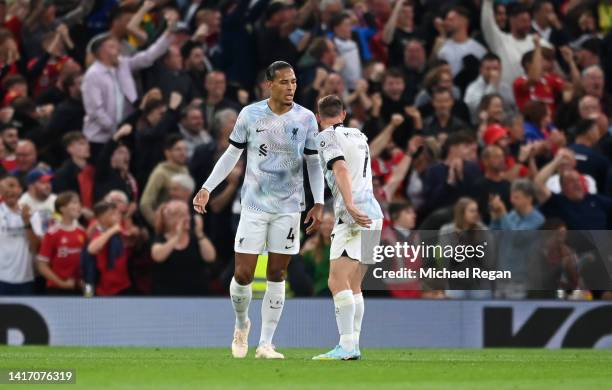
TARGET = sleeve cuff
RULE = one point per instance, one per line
(239, 145)
(330, 163)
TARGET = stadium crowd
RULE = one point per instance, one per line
(482, 116)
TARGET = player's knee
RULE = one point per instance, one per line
(275, 274)
(243, 275)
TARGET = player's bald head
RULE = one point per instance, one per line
(330, 106)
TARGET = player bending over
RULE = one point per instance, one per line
(345, 157)
(277, 134)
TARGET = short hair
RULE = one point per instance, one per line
(152, 105)
(534, 111)
(393, 72)
(102, 207)
(582, 127)
(592, 45)
(97, 43)
(457, 138)
(118, 12)
(190, 107)
(221, 116)
(459, 10)
(525, 186)
(171, 140)
(274, 67)
(338, 18)
(490, 57)
(396, 208)
(516, 9)
(318, 47)
(13, 80)
(70, 79)
(63, 198)
(538, 4)
(330, 106)
(441, 90)
(71, 137)
(184, 180)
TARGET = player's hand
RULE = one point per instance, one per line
(316, 216)
(360, 218)
(200, 201)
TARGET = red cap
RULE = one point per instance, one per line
(494, 133)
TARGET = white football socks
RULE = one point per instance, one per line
(241, 298)
(345, 316)
(271, 310)
(359, 308)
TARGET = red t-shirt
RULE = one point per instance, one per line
(61, 248)
(546, 90)
(111, 281)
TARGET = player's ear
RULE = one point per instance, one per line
(318, 117)
(343, 115)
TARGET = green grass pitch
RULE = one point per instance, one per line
(172, 368)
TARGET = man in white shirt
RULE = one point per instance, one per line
(16, 242)
(459, 44)
(342, 27)
(39, 199)
(487, 83)
(510, 47)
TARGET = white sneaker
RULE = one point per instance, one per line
(240, 344)
(267, 352)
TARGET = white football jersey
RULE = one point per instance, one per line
(349, 144)
(275, 145)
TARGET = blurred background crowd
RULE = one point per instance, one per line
(482, 116)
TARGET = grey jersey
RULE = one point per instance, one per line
(275, 146)
(343, 143)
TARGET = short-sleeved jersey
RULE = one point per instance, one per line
(61, 247)
(343, 143)
(275, 146)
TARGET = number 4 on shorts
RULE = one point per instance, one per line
(290, 236)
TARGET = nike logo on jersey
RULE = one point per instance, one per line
(260, 130)
(263, 150)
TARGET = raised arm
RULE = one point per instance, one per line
(542, 192)
(389, 28)
(492, 33)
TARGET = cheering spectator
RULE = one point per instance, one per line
(113, 167)
(66, 117)
(180, 252)
(109, 88)
(108, 249)
(59, 258)
(39, 199)
(26, 158)
(342, 25)
(398, 30)
(456, 43)
(579, 209)
(215, 86)
(192, 129)
(466, 229)
(487, 83)
(66, 178)
(442, 122)
(156, 190)
(492, 183)
(515, 246)
(588, 160)
(510, 47)
(17, 241)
